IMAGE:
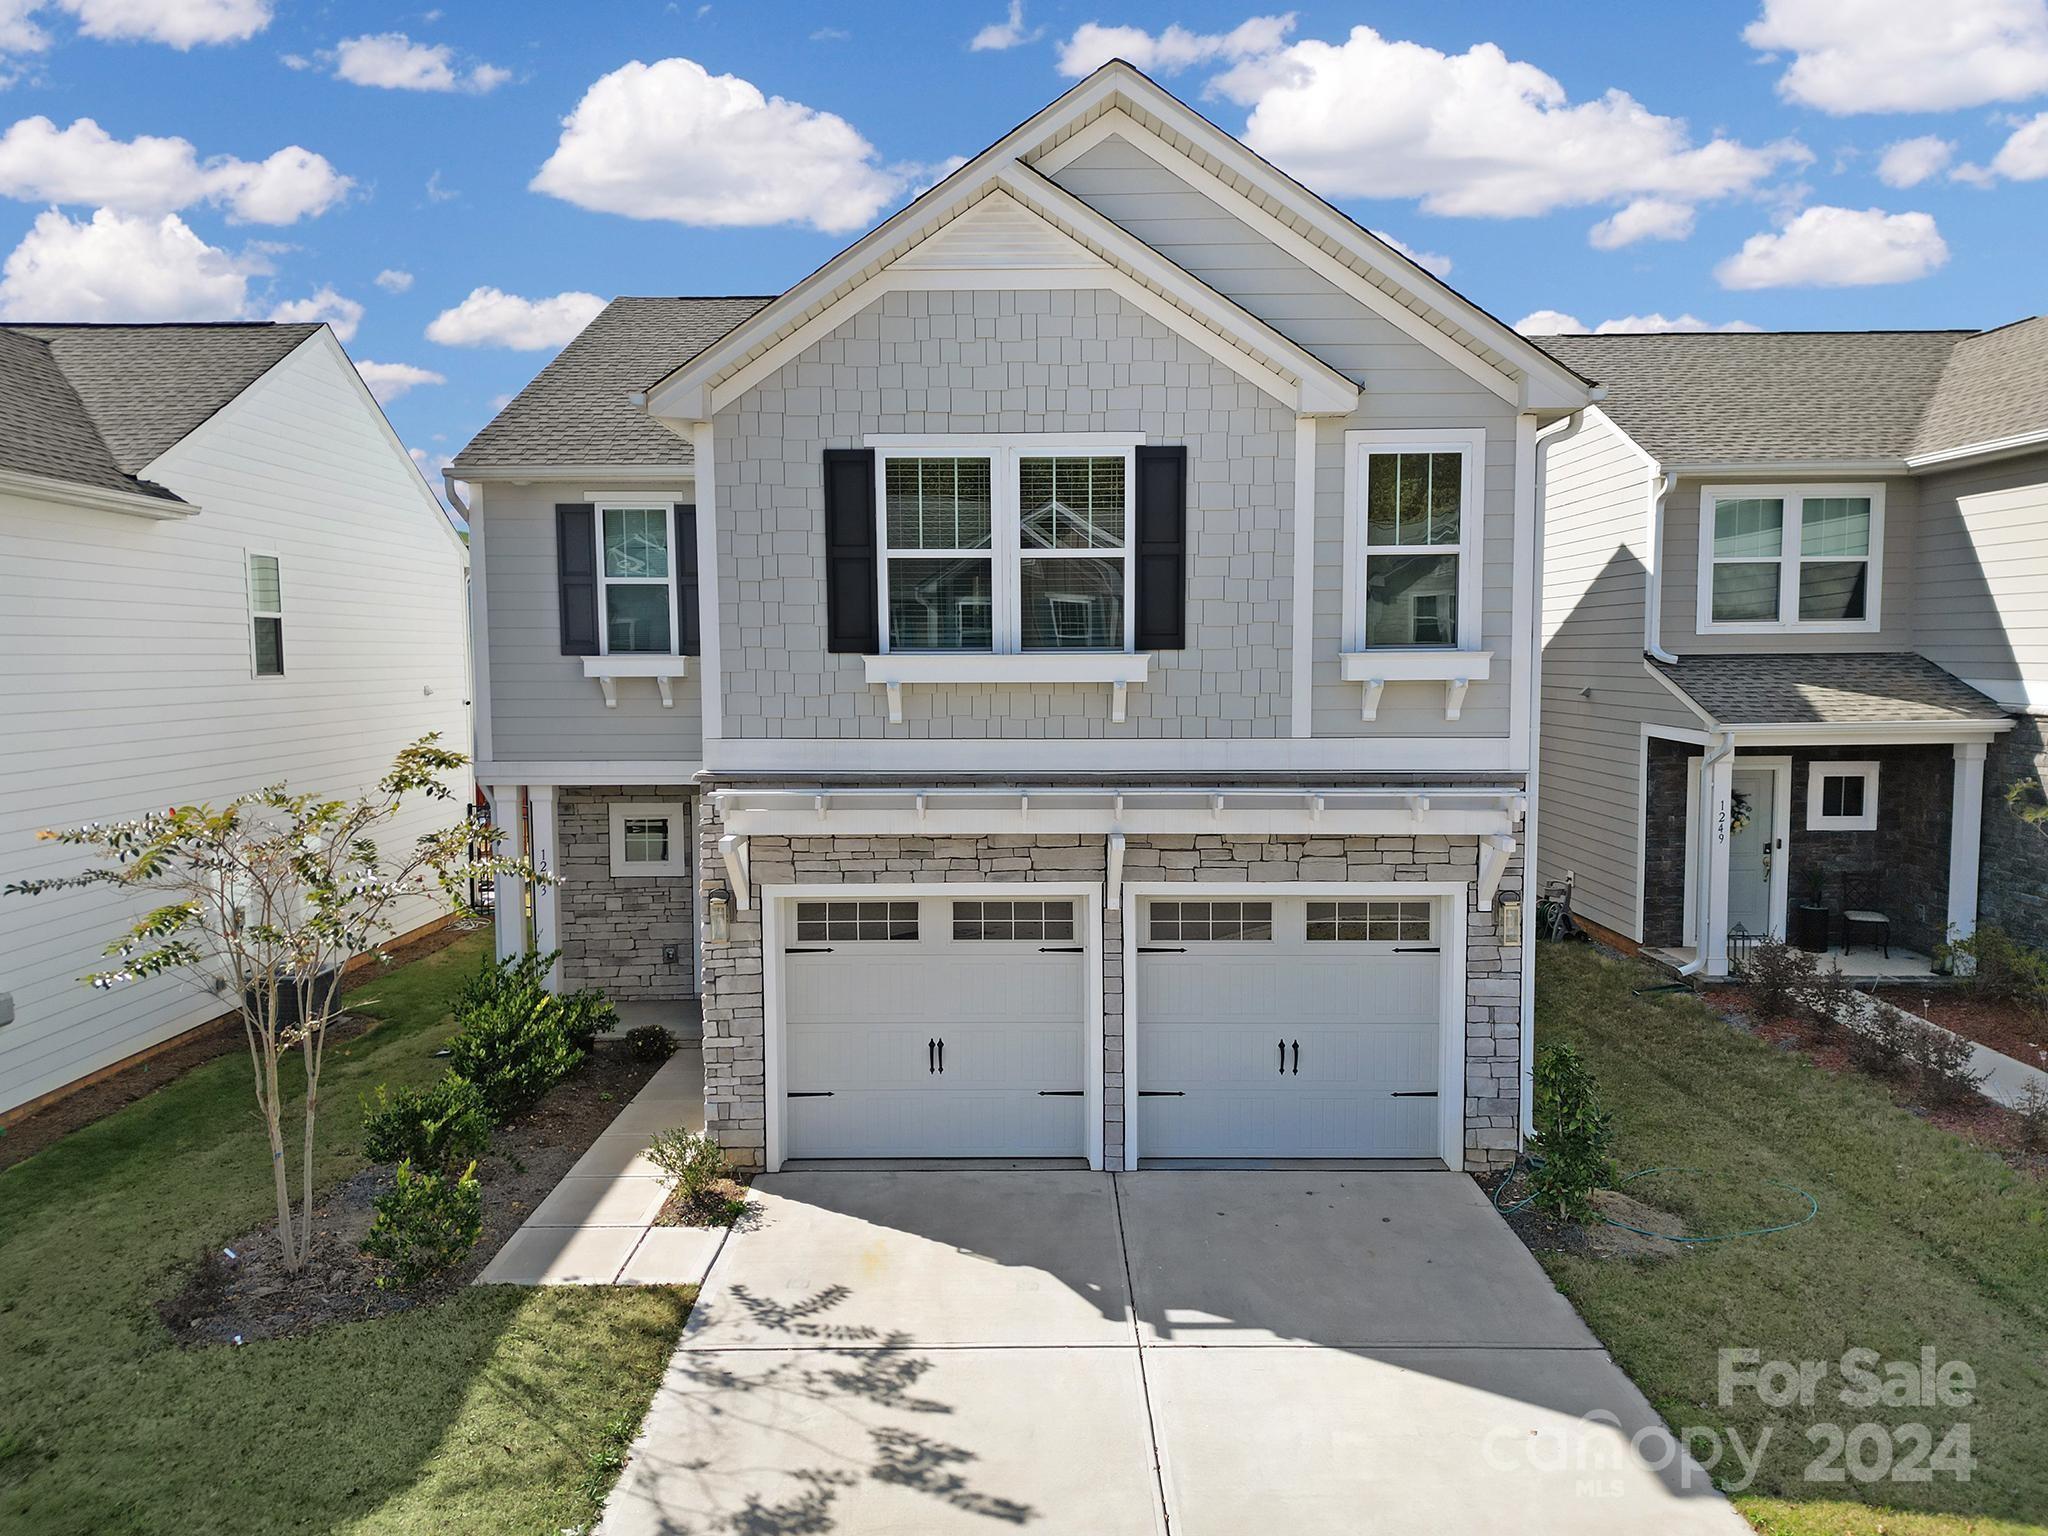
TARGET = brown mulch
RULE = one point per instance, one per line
(1542, 1234)
(2015, 1028)
(243, 1294)
(24, 1138)
(723, 1204)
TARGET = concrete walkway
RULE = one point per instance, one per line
(1303, 1352)
(2003, 1079)
(597, 1226)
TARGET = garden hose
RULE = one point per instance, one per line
(1531, 1160)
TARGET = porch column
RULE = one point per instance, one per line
(547, 929)
(1716, 808)
(508, 900)
(1965, 838)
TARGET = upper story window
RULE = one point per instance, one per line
(636, 579)
(266, 616)
(1777, 558)
(1005, 547)
(1411, 536)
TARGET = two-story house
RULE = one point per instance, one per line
(219, 569)
(1796, 640)
(1058, 682)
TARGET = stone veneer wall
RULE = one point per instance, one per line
(614, 928)
(734, 1061)
(1908, 849)
(1664, 841)
(2012, 887)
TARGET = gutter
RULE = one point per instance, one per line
(1703, 866)
(448, 484)
(71, 493)
(1662, 483)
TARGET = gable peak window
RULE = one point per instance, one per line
(1790, 557)
(266, 616)
(1005, 546)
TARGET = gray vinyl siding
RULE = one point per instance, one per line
(1004, 362)
(1404, 384)
(1982, 571)
(1596, 536)
(543, 709)
(1682, 565)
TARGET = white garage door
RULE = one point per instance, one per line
(934, 1027)
(1289, 1027)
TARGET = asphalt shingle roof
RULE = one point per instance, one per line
(1845, 688)
(577, 410)
(1995, 386)
(45, 429)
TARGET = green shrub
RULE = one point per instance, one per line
(586, 1015)
(514, 1049)
(1884, 1042)
(499, 979)
(433, 1128)
(1574, 1135)
(1944, 1063)
(650, 1042)
(1993, 963)
(2032, 1110)
(1831, 1001)
(693, 1161)
(1781, 977)
(425, 1225)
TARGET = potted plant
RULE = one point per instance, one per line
(1807, 924)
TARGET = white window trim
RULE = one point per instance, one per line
(1470, 444)
(679, 834)
(1005, 550)
(616, 503)
(1789, 561)
(1817, 772)
(249, 559)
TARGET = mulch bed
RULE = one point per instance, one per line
(247, 1297)
(2014, 1028)
(1542, 1234)
(724, 1204)
(95, 1101)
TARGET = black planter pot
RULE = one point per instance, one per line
(1806, 926)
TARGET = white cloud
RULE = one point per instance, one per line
(670, 140)
(490, 317)
(388, 381)
(85, 165)
(394, 280)
(180, 23)
(119, 266)
(1007, 33)
(1476, 133)
(394, 62)
(1911, 161)
(1826, 247)
(1553, 322)
(18, 30)
(1647, 218)
(1906, 55)
(1175, 49)
(1430, 261)
(339, 311)
(831, 35)
(2023, 157)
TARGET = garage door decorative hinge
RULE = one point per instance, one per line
(1145, 949)
(1414, 1094)
(813, 1093)
(1162, 1093)
(1059, 1093)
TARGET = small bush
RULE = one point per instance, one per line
(692, 1161)
(1781, 975)
(425, 1226)
(2032, 1110)
(586, 1015)
(1884, 1042)
(650, 1042)
(1943, 1060)
(514, 1049)
(1574, 1135)
(433, 1128)
(1995, 964)
(1831, 1001)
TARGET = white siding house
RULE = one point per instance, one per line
(131, 630)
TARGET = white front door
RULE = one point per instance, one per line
(935, 1027)
(1752, 850)
(1289, 1027)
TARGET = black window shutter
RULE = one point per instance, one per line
(576, 576)
(1161, 549)
(852, 623)
(686, 580)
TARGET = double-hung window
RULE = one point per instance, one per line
(1778, 558)
(266, 616)
(1006, 546)
(1412, 540)
(637, 579)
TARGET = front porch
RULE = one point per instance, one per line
(1859, 964)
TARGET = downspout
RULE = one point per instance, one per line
(1703, 868)
(1548, 438)
(1661, 486)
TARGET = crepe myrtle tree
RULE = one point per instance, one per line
(265, 898)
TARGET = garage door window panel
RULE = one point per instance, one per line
(982, 921)
(1212, 921)
(856, 921)
(1389, 922)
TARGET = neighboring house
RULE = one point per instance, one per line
(219, 569)
(1066, 668)
(1828, 551)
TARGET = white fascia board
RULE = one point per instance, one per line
(1989, 449)
(1780, 470)
(1691, 704)
(1121, 755)
(1560, 389)
(1643, 455)
(1873, 733)
(678, 772)
(524, 474)
(128, 503)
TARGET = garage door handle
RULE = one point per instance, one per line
(942, 1058)
(931, 1056)
(1283, 1058)
(1297, 1058)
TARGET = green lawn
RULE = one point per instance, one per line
(1922, 1239)
(500, 1410)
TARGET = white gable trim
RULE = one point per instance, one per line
(1116, 123)
(1110, 260)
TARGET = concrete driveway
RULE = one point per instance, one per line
(1230, 1352)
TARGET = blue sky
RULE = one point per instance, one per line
(1744, 179)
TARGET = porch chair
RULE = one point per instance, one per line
(1862, 892)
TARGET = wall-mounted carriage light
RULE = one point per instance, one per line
(718, 916)
(1509, 908)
